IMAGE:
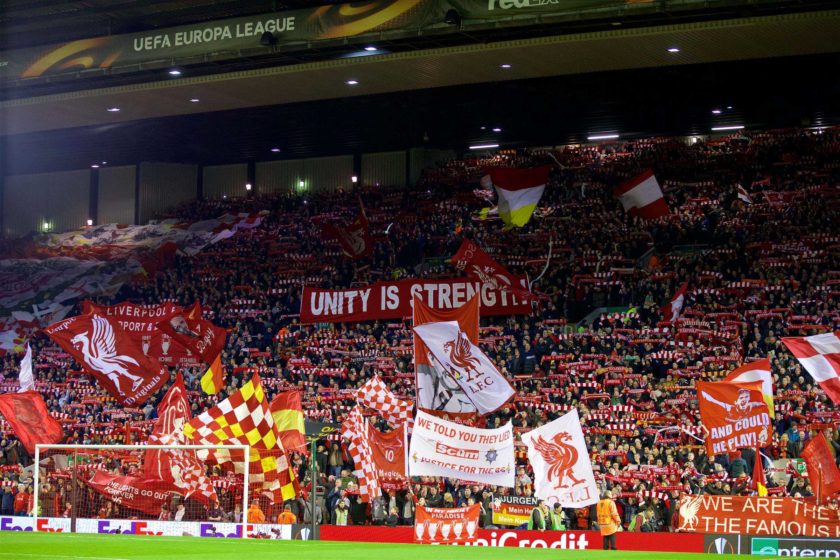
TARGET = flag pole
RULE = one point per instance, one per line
(314, 488)
(819, 484)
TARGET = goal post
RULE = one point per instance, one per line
(199, 490)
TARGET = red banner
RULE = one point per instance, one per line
(355, 239)
(753, 515)
(132, 492)
(111, 355)
(478, 264)
(141, 321)
(393, 300)
(197, 335)
(446, 525)
(735, 415)
(389, 457)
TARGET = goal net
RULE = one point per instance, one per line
(174, 490)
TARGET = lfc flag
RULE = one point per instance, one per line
(355, 239)
(735, 415)
(475, 374)
(756, 371)
(446, 525)
(198, 335)
(822, 470)
(179, 467)
(30, 420)
(562, 469)
(390, 456)
(436, 390)
(141, 323)
(111, 355)
(476, 263)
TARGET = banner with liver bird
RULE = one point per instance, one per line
(562, 469)
(454, 354)
(111, 355)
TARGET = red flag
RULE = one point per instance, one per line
(355, 239)
(30, 420)
(389, 451)
(735, 415)
(822, 471)
(476, 263)
(178, 467)
(111, 355)
(641, 196)
(198, 335)
(671, 310)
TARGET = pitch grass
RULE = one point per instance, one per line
(66, 546)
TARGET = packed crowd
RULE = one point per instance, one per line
(757, 270)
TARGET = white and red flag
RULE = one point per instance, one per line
(641, 196)
(758, 370)
(462, 360)
(562, 469)
(355, 239)
(671, 310)
(743, 195)
(820, 356)
(179, 467)
(355, 429)
(111, 355)
(437, 391)
(376, 395)
(478, 264)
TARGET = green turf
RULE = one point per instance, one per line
(63, 546)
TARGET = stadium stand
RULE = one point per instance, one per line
(757, 269)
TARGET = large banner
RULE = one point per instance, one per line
(226, 39)
(513, 511)
(755, 515)
(393, 300)
(389, 456)
(441, 448)
(446, 525)
(142, 321)
(735, 415)
(144, 495)
(111, 356)
(562, 469)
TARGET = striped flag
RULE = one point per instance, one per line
(244, 418)
(519, 192)
(820, 356)
(214, 378)
(759, 478)
(355, 428)
(376, 395)
(287, 411)
(641, 196)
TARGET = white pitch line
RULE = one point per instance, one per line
(16, 554)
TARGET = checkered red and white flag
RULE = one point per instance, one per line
(820, 356)
(376, 395)
(355, 428)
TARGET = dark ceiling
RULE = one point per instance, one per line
(768, 93)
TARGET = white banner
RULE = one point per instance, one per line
(442, 448)
(562, 469)
(459, 358)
